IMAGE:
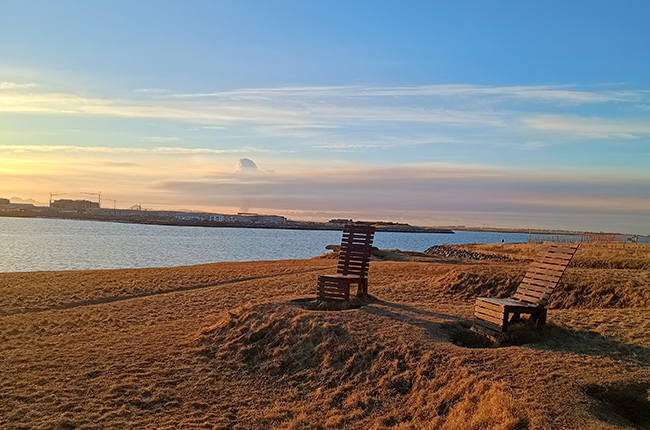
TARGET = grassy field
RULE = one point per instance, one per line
(235, 346)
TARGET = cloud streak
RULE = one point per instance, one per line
(593, 128)
(122, 150)
(542, 93)
(358, 118)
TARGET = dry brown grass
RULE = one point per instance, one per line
(226, 346)
(598, 255)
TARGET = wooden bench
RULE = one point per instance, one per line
(352, 268)
(493, 315)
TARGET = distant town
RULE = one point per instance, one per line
(90, 210)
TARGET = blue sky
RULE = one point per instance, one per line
(523, 114)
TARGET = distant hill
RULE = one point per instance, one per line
(32, 201)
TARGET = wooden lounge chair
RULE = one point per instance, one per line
(492, 315)
(352, 266)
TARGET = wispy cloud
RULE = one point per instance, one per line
(15, 86)
(160, 138)
(594, 128)
(346, 147)
(124, 150)
(563, 94)
(151, 91)
(297, 117)
(325, 116)
(608, 204)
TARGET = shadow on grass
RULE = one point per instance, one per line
(414, 316)
(628, 401)
(549, 337)
(313, 304)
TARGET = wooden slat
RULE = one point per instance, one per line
(539, 301)
(547, 288)
(353, 263)
(355, 256)
(488, 326)
(569, 247)
(333, 295)
(354, 269)
(540, 279)
(332, 291)
(357, 240)
(535, 299)
(358, 251)
(532, 293)
(546, 269)
(334, 288)
(489, 305)
(554, 261)
(547, 274)
(556, 253)
(496, 321)
(531, 296)
(533, 287)
(572, 247)
(353, 259)
(488, 311)
(487, 317)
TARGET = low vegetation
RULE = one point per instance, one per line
(244, 346)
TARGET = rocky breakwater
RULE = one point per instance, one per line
(447, 251)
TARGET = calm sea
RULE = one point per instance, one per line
(31, 244)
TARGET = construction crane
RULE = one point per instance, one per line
(55, 194)
(99, 197)
(114, 202)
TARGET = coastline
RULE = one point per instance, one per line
(290, 225)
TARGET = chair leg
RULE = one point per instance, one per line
(516, 317)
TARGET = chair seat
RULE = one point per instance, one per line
(344, 278)
(508, 302)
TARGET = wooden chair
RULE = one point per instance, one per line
(492, 315)
(356, 246)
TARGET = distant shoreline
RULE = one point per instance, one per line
(290, 225)
(302, 225)
(522, 230)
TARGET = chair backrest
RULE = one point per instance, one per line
(545, 272)
(356, 246)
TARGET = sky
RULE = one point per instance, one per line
(504, 114)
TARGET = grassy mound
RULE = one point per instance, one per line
(353, 375)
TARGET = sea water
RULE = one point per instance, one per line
(35, 244)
